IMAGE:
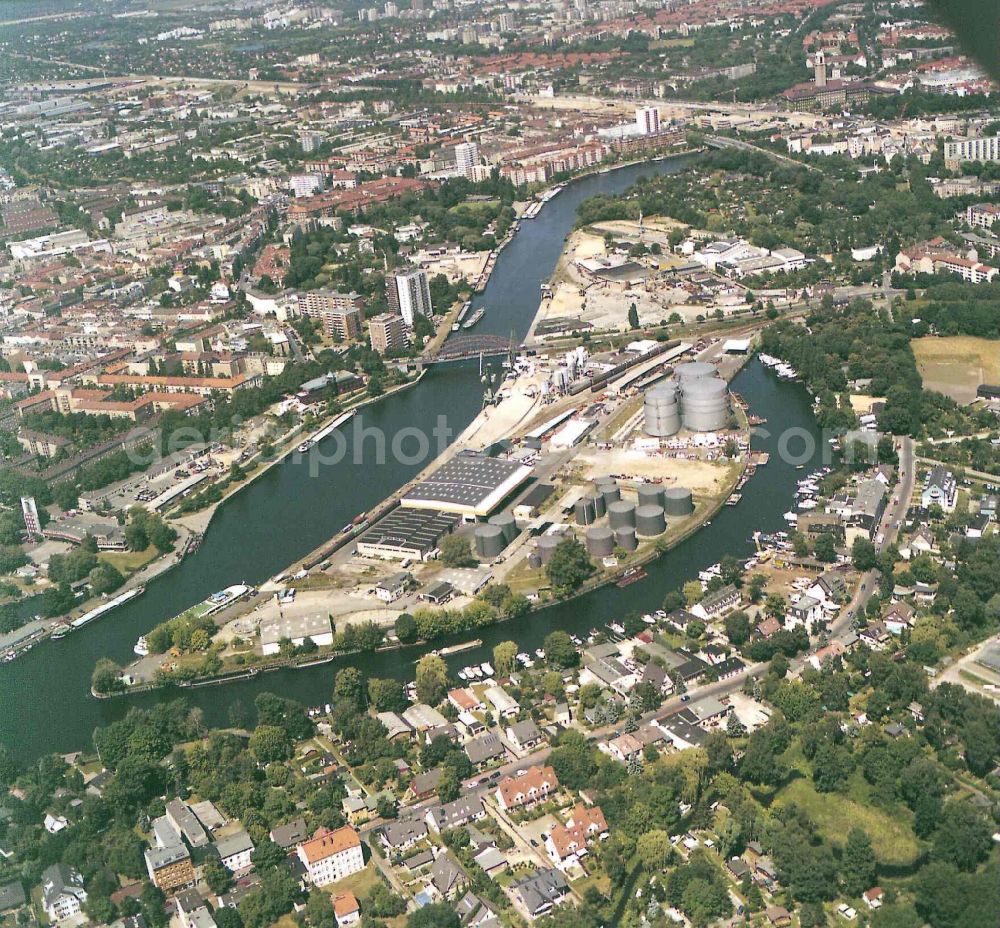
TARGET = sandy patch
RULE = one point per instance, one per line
(956, 365)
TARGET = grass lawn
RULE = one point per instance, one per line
(129, 561)
(361, 883)
(956, 365)
(836, 815)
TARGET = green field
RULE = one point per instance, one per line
(836, 815)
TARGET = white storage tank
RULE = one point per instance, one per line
(705, 404)
(693, 370)
(660, 410)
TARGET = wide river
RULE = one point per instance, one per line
(45, 702)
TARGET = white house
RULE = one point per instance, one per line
(63, 894)
(331, 855)
(235, 851)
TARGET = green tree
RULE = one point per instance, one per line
(432, 679)
(654, 850)
(824, 549)
(387, 695)
(269, 743)
(963, 838)
(455, 551)
(633, 317)
(858, 866)
(350, 686)
(737, 625)
(863, 554)
(107, 677)
(569, 566)
(504, 658)
(105, 578)
(435, 915)
(406, 628)
(560, 652)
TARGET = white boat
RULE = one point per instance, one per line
(540, 654)
(616, 628)
(141, 648)
(486, 668)
(462, 675)
(791, 517)
(808, 504)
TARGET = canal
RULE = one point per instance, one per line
(44, 695)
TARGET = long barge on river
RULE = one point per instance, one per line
(98, 611)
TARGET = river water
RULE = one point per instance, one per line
(45, 703)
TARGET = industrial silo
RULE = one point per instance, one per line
(650, 494)
(611, 492)
(547, 544)
(597, 501)
(661, 414)
(649, 520)
(705, 404)
(693, 370)
(584, 511)
(621, 513)
(506, 522)
(677, 501)
(625, 538)
(600, 541)
(490, 541)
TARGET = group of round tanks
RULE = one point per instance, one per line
(697, 399)
(628, 521)
(493, 536)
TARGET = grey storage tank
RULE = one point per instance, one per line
(597, 500)
(621, 513)
(584, 511)
(534, 560)
(677, 501)
(649, 520)
(547, 544)
(600, 541)
(625, 538)
(490, 541)
(705, 404)
(506, 522)
(611, 493)
(650, 494)
(661, 413)
(693, 370)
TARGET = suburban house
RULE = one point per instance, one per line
(346, 909)
(501, 701)
(447, 876)
(402, 834)
(331, 855)
(63, 894)
(524, 735)
(534, 785)
(566, 844)
(722, 600)
(940, 489)
(485, 748)
(290, 835)
(170, 867)
(539, 892)
(464, 700)
(804, 612)
(899, 616)
(235, 851)
(454, 814)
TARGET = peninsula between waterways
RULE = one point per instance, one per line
(45, 702)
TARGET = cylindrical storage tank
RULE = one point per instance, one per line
(604, 478)
(693, 370)
(597, 501)
(625, 538)
(649, 520)
(705, 405)
(546, 545)
(534, 560)
(583, 509)
(650, 495)
(611, 492)
(489, 541)
(621, 513)
(506, 522)
(661, 414)
(677, 501)
(600, 541)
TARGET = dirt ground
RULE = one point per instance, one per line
(957, 364)
(703, 478)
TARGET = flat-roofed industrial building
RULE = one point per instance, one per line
(407, 534)
(470, 484)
